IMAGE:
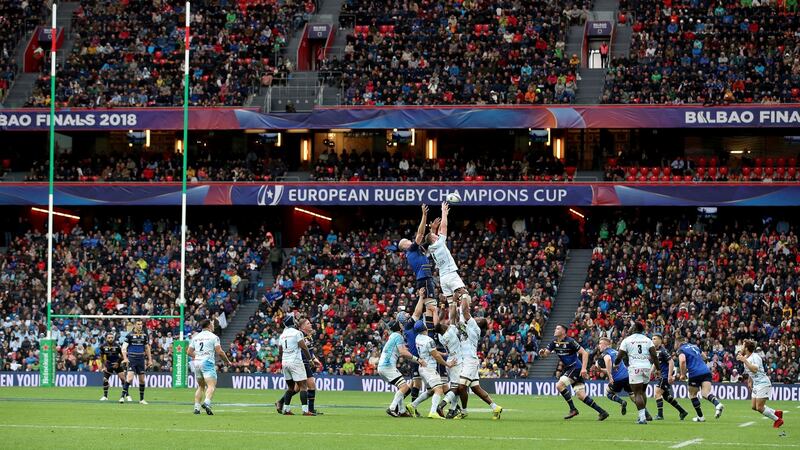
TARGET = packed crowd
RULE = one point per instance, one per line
(368, 166)
(716, 283)
(711, 52)
(470, 52)
(160, 168)
(16, 18)
(351, 285)
(118, 268)
(130, 53)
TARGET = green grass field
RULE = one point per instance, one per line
(73, 418)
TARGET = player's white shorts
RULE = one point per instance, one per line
(205, 368)
(450, 283)
(431, 376)
(454, 373)
(639, 375)
(294, 371)
(391, 374)
(469, 370)
(762, 391)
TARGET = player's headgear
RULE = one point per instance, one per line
(288, 321)
(402, 317)
(420, 326)
(393, 325)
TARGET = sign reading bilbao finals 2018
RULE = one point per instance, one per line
(725, 391)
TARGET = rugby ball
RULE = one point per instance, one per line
(453, 198)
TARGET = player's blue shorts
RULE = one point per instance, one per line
(309, 368)
(428, 284)
(621, 385)
(206, 368)
(136, 365)
(699, 380)
(664, 384)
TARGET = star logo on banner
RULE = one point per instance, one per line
(179, 348)
(269, 195)
(46, 348)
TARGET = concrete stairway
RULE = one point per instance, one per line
(567, 301)
(246, 309)
(621, 47)
(21, 91)
(574, 42)
(590, 87)
(302, 90)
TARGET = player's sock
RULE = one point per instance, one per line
(141, 392)
(642, 415)
(614, 397)
(105, 387)
(660, 404)
(422, 397)
(398, 399)
(452, 399)
(435, 403)
(207, 402)
(414, 393)
(712, 399)
(696, 404)
(676, 405)
(304, 407)
(493, 405)
(197, 406)
(287, 399)
(303, 398)
(568, 397)
(125, 387)
(769, 412)
(312, 395)
(590, 403)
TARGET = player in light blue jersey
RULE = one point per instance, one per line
(693, 367)
(393, 350)
(202, 349)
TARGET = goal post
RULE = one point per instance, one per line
(47, 347)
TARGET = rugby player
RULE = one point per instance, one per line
(392, 351)
(203, 350)
(575, 359)
(664, 390)
(310, 362)
(134, 350)
(617, 374)
(448, 335)
(410, 335)
(421, 266)
(293, 346)
(111, 355)
(691, 361)
(758, 382)
(638, 350)
(426, 348)
(469, 377)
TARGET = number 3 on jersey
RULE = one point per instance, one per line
(640, 348)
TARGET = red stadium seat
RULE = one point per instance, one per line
(6, 164)
(781, 162)
(687, 178)
(769, 171)
(746, 172)
(780, 172)
(571, 171)
(653, 178)
(630, 178)
(643, 171)
(792, 162)
(468, 178)
(667, 171)
(632, 171)
(723, 171)
(701, 162)
(769, 162)
(713, 162)
(655, 171)
(758, 172)
(480, 178)
(712, 172)
(477, 29)
(641, 179)
(548, 178)
(677, 178)
(759, 162)
(612, 162)
(792, 172)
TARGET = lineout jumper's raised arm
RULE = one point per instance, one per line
(420, 237)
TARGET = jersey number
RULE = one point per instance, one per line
(640, 348)
(201, 346)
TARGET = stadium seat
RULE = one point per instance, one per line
(769, 171)
(792, 172)
(612, 162)
(712, 172)
(571, 170)
(468, 178)
(723, 171)
(781, 162)
(687, 178)
(655, 171)
(667, 171)
(746, 172)
(701, 172)
(758, 172)
(713, 162)
(759, 162)
(701, 162)
(792, 162)
(769, 162)
(630, 178)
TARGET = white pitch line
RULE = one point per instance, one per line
(687, 443)
(387, 435)
(746, 424)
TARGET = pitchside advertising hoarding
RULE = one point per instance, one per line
(525, 387)
(400, 194)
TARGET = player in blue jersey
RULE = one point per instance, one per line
(134, 350)
(575, 360)
(416, 255)
(410, 336)
(693, 367)
(664, 391)
(617, 375)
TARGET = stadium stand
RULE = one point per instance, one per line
(708, 53)
(130, 53)
(716, 282)
(16, 18)
(472, 52)
(118, 269)
(350, 283)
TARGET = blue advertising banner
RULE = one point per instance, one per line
(399, 194)
(406, 117)
(263, 381)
